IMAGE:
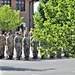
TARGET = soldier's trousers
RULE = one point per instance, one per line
(35, 54)
(2, 52)
(18, 51)
(26, 52)
(10, 52)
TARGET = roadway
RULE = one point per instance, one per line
(38, 67)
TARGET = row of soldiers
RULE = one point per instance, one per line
(19, 43)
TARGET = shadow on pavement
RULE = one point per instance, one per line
(7, 68)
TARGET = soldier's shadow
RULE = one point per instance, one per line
(8, 68)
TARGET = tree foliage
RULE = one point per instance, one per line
(9, 19)
(55, 25)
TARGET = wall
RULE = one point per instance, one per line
(25, 13)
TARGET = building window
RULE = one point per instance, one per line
(20, 5)
(7, 2)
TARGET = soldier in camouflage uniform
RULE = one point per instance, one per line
(18, 45)
(34, 45)
(26, 46)
(35, 51)
(2, 45)
(10, 46)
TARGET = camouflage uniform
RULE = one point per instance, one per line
(18, 45)
(34, 45)
(26, 45)
(2, 45)
(10, 45)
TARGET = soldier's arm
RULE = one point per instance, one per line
(31, 42)
(6, 41)
(23, 42)
(14, 41)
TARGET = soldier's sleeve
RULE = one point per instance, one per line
(31, 41)
(14, 41)
(23, 42)
(6, 41)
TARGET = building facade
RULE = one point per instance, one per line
(26, 8)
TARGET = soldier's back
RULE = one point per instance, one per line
(18, 40)
(2, 40)
(27, 40)
(10, 40)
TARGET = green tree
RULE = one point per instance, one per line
(55, 25)
(9, 19)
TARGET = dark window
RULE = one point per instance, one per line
(20, 5)
(7, 2)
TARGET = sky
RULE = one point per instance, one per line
(35, 6)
